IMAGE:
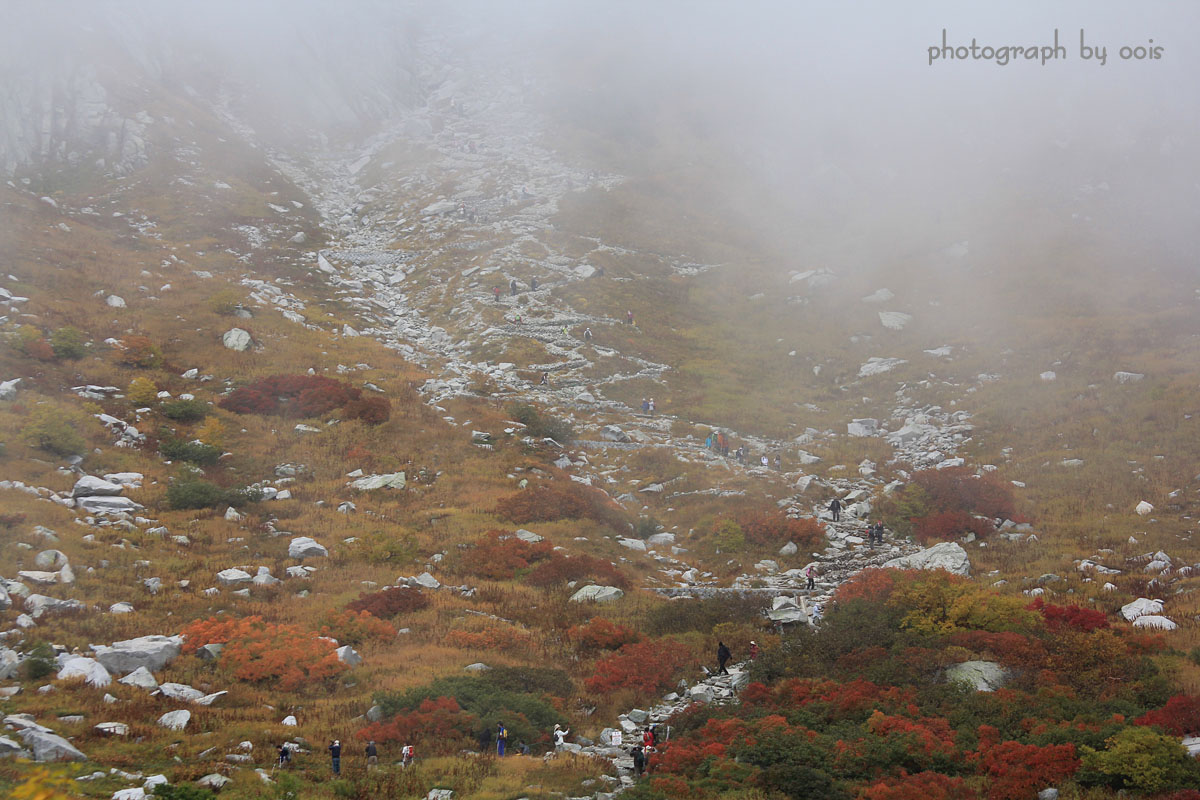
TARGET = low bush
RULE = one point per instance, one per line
(196, 493)
(306, 396)
(142, 391)
(193, 452)
(559, 569)
(499, 556)
(68, 343)
(139, 351)
(646, 667)
(185, 410)
(390, 602)
(774, 529)
(540, 425)
(601, 634)
(568, 501)
(50, 429)
(356, 627)
(285, 656)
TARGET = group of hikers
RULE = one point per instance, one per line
(407, 755)
(718, 443)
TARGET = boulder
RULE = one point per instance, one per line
(1141, 607)
(113, 728)
(788, 549)
(982, 676)
(149, 652)
(863, 427)
(180, 691)
(39, 604)
(348, 656)
(894, 320)
(51, 559)
(48, 746)
(108, 505)
(214, 781)
(8, 389)
(632, 544)
(304, 547)
(175, 720)
(233, 576)
(1127, 377)
(237, 339)
(427, 581)
(1143, 508)
(528, 536)
(141, 678)
(393, 480)
(92, 672)
(10, 663)
(91, 486)
(946, 555)
(1154, 622)
(597, 594)
(788, 609)
(611, 433)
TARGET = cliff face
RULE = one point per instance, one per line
(83, 86)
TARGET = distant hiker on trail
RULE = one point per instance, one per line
(533, 284)
(560, 736)
(647, 739)
(741, 455)
(877, 532)
(407, 754)
(629, 317)
(645, 406)
(545, 381)
(565, 332)
(811, 574)
(496, 293)
(285, 756)
(512, 287)
(723, 656)
(335, 755)
(766, 463)
(587, 334)
(650, 408)
(639, 761)
(835, 508)
(501, 738)
(871, 534)
(778, 463)
(372, 755)
(518, 317)
(708, 443)
(753, 649)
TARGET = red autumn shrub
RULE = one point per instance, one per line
(498, 556)
(286, 656)
(560, 569)
(567, 501)
(1081, 619)
(871, 584)
(371, 410)
(317, 401)
(775, 529)
(138, 351)
(248, 400)
(1179, 717)
(294, 396)
(927, 737)
(599, 633)
(960, 489)
(1017, 771)
(356, 627)
(648, 667)
(1009, 648)
(919, 786)
(437, 726)
(946, 525)
(390, 602)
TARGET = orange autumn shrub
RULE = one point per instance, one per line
(356, 627)
(649, 667)
(920, 786)
(286, 656)
(599, 633)
(438, 726)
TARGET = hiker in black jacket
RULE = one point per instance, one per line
(723, 656)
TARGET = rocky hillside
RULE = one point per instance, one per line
(455, 408)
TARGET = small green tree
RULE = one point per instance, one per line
(185, 410)
(1141, 759)
(142, 391)
(49, 429)
(68, 343)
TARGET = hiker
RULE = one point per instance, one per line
(522, 748)
(741, 455)
(753, 649)
(645, 406)
(565, 332)
(533, 284)
(372, 755)
(629, 317)
(778, 463)
(587, 334)
(335, 755)
(545, 379)
(639, 761)
(765, 461)
(650, 408)
(647, 739)
(560, 736)
(811, 574)
(496, 293)
(723, 656)
(518, 317)
(708, 443)
(835, 507)
(512, 287)
(501, 738)
(285, 756)
(406, 755)
(879, 533)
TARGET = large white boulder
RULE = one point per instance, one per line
(946, 555)
(597, 594)
(107, 505)
(894, 320)
(347, 655)
(92, 671)
(91, 486)
(1143, 508)
(1154, 622)
(305, 547)
(48, 746)
(237, 339)
(175, 720)
(1141, 607)
(233, 576)
(393, 480)
(141, 678)
(982, 676)
(151, 652)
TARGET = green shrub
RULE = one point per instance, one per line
(68, 343)
(202, 494)
(39, 663)
(681, 616)
(185, 410)
(645, 527)
(49, 429)
(183, 791)
(540, 425)
(195, 452)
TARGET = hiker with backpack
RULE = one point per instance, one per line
(723, 656)
(501, 738)
(835, 508)
(811, 574)
(407, 754)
